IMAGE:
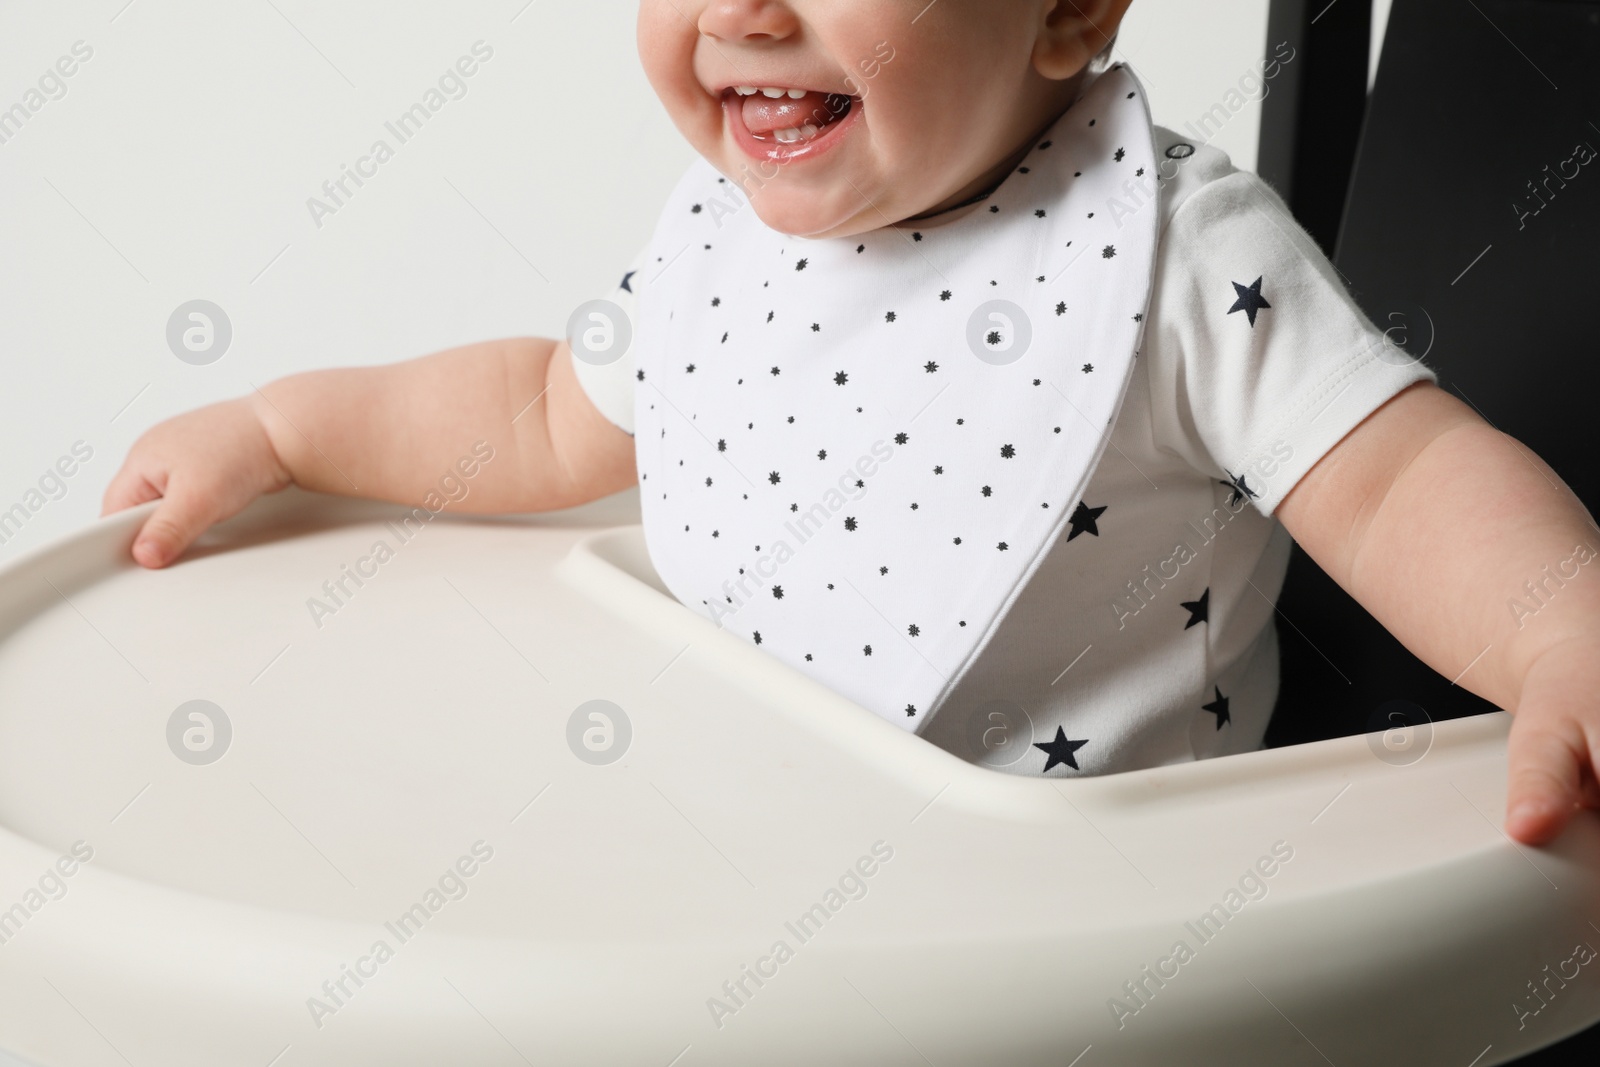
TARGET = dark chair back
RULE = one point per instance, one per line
(1472, 231)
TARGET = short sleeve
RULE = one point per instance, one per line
(609, 386)
(1260, 360)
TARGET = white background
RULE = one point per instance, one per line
(179, 162)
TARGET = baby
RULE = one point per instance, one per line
(952, 381)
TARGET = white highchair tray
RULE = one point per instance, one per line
(769, 874)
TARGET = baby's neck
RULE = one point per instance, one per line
(985, 184)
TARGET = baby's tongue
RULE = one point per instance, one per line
(763, 114)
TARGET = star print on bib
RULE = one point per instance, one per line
(854, 452)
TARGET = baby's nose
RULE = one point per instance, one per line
(751, 21)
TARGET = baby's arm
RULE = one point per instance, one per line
(1434, 521)
(389, 432)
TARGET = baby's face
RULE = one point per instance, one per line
(841, 116)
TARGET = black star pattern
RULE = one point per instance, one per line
(1240, 487)
(627, 281)
(1218, 707)
(697, 209)
(1249, 300)
(1198, 609)
(689, 369)
(1061, 750)
(976, 464)
(1084, 520)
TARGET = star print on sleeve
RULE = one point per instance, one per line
(1249, 300)
(1199, 610)
(1218, 707)
(1060, 750)
(1240, 487)
(627, 281)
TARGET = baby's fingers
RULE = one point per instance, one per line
(181, 517)
(129, 488)
(1550, 766)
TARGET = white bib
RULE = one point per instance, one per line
(855, 451)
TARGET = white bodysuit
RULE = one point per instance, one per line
(1128, 622)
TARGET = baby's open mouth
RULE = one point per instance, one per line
(789, 117)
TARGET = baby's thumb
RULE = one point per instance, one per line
(172, 527)
(1546, 756)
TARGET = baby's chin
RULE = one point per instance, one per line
(821, 216)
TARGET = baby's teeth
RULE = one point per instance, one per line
(773, 93)
(796, 94)
(745, 90)
(802, 133)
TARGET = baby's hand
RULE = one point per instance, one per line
(1554, 749)
(206, 465)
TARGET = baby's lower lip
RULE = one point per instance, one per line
(818, 125)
